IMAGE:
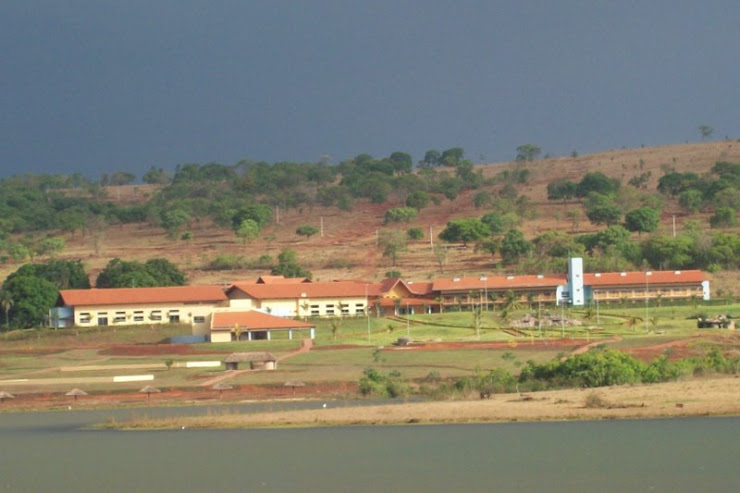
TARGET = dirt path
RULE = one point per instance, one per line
(586, 348)
(306, 345)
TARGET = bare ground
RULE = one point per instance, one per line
(705, 397)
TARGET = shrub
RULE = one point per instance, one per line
(400, 214)
(415, 234)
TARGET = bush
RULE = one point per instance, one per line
(415, 234)
(227, 261)
(374, 383)
(400, 214)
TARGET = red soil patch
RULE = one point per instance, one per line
(153, 350)
(539, 345)
(47, 400)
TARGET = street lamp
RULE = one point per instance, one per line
(408, 323)
(647, 305)
(367, 313)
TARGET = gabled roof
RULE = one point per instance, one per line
(498, 282)
(248, 357)
(420, 288)
(343, 289)
(142, 296)
(389, 283)
(640, 278)
(281, 280)
(254, 320)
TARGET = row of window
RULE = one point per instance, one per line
(121, 317)
(331, 309)
(652, 293)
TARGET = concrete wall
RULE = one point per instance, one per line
(221, 336)
(198, 316)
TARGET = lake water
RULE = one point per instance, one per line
(51, 452)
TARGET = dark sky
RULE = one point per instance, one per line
(102, 85)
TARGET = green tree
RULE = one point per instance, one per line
(527, 152)
(691, 200)
(724, 217)
(465, 230)
(440, 255)
(604, 214)
(514, 246)
(705, 131)
(164, 272)
(574, 216)
(121, 178)
(452, 156)
(642, 220)
(495, 222)
(33, 298)
(132, 274)
(417, 199)
(561, 190)
(288, 265)
(306, 230)
(482, 199)
(248, 231)
(415, 234)
(432, 158)
(6, 303)
(597, 182)
(155, 176)
(173, 221)
(393, 243)
(400, 214)
(402, 162)
(50, 246)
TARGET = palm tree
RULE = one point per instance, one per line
(511, 302)
(6, 302)
(335, 329)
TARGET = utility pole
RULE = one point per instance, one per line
(322, 226)
(367, 311)
(408, 323)
(674, 225)
(431, 238)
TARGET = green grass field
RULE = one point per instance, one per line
(342, 347)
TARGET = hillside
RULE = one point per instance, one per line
(348, 248)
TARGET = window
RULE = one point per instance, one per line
(102, 321)
(138, 316)
(156, 315)
(199, 320)
(345, 310)
(174, 318)
(85, 318)
(315, 310)
(120, 317)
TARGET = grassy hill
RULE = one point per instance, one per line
(347, 248)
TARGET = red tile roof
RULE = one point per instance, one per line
(254, 320)
(142, 296)
(639, 278)
(281, 280)
(343, 289)
(498, 282)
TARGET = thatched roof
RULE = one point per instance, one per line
(149, 390)
(294, 383)
(76, 392)
(222, 386)
(6, 395)
(249, 357)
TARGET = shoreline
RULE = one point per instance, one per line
(697, 397)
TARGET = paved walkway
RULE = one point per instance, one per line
(306, 345)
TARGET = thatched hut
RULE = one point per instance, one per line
(259, 360)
